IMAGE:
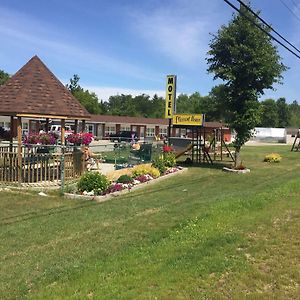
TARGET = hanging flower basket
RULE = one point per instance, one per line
(78, 139)
(40, 139)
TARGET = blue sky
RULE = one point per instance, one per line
(130, 46)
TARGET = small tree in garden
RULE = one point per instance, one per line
(245, 58)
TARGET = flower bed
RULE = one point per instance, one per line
(118, 188)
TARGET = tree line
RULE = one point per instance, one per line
(272, 113)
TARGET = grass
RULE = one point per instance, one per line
(204, 234)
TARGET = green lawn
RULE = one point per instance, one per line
(204, 234)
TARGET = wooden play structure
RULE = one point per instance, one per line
(296, 144)
(207, 145)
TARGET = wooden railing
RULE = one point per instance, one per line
(33, 167)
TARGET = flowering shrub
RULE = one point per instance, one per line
(167, 149)
(114, 187)
(40, 138)
(145, 169)
(273, 157)
(80, 138)
(143, 178)
(93, 181)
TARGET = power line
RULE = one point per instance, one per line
(290, 10)
(295, 4)
(262, 29)
(269, 26)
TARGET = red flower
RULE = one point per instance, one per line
(167, 149)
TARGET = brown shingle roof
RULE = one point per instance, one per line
(34, 90)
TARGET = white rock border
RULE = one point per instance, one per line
(123, 192)
(236, 171)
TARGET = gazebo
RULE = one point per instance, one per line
(34, 92)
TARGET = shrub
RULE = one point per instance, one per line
(125, 179)
(273, 157)
(145, 169)
(159, 164)
(169, 160)
(93, 181)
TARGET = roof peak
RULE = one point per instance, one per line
(34, 89)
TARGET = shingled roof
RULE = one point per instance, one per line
(35, 91)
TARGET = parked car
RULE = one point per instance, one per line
(57, 129)
(124, 136)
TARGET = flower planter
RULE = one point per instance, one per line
(122, 192)
(236, 171)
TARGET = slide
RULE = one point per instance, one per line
(181, 152)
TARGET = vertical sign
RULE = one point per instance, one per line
(170, 96)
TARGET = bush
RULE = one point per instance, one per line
(273, 157)
(169, 160)
(93, 181)
(159, 164)
(145, 169)
(125, 179)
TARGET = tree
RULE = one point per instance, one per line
(88, 99)
(247, 61)
(74, 85)
(294, 109)
(269, 113)
(217, 105)
(283, 111)
(158, 104)
(3, 77)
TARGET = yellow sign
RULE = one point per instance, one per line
(170, 96)
(192, 120)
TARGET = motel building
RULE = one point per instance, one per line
(101, 126)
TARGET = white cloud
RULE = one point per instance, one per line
(180, 32)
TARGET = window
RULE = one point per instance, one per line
(25, 128)
(125, 127)
(90, 128)
(5, 125)
(163, 131)
(110, 130)
(150, 131)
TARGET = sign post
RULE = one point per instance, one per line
(170, 101)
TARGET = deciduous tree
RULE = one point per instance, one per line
(3, 77)
(246, 60)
